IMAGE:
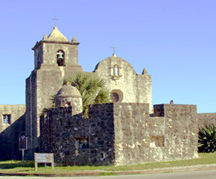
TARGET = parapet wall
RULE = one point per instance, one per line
(181, 130)
(12, 127)
(172, 135)
(206, 119)
(78, 141)
(120, 134)
(15, 112)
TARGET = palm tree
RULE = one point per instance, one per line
(92, 89)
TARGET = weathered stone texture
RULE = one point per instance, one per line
(31, 109)
(71, 53)
(76, 141)
(130, 133)
(69, 96)
(181, 131)
(135, 88)
(120, 134)
(10, 133)
(16, 111)
(206, 119)
(140, 138)
(46, 80)
(47, 77)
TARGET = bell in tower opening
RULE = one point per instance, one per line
(60, 58)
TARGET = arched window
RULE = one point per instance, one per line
(116, 95)
(115, 70)
(60, 58)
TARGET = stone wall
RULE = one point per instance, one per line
(131, 136)
(15, 111)
(206, 119)
(120, 134)
(46, 53)
(10, 133)
(134, 88)
(47, 77)
(181, 130)
(31, 109)
(45, 81)
(140, 138)
(77, 141)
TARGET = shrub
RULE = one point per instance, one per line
(207, 139)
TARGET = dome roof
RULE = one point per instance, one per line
(56, 35)
(68, 91)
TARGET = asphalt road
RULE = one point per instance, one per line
(206, 174)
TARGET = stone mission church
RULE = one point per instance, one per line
(126, 131)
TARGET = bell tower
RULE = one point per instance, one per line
(55, 58)
(56, 50)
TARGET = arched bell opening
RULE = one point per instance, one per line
(60, 58)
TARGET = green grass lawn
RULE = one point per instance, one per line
(28, 167)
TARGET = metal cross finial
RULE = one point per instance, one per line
(113, 49)
(54, 21)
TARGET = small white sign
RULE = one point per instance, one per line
(43, 158)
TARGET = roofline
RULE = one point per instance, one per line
(45, 41)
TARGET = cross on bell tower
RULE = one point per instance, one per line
(55, 19)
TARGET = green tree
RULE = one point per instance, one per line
(207, 139)
(92, 89)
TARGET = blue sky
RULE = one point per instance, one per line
(175, 40)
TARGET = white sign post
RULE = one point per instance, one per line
(43, 158)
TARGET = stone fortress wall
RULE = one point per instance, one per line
(206, 119)
(76, 141)
(12, 127)
(10, 133)
(56, 58)
(47, 78)
(14, 111)
(131, 135)
(120, 134)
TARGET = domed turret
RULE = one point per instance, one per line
(69, 91)
(68, 96)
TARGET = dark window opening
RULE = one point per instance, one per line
(80, 145)
(103, 155)
(115, 97)
(6, 119)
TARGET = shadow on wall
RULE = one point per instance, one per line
(79, 141)
(9, 140)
